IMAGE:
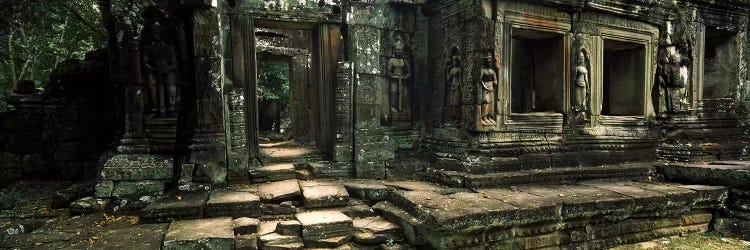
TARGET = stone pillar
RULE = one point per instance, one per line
(132, 171)
(207, 149)
(367, 37)
(344, 115)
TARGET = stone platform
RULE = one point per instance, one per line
(589, 215)
(592, 214)
(735, 219)
(577, 207)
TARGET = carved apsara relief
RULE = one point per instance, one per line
(453, 78)
(487, 85)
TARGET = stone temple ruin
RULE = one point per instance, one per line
(445, 124)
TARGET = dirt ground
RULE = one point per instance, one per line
(33, 224)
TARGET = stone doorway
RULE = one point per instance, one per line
(310, 52)
(288, 110)
(538, 72)
(624, 74)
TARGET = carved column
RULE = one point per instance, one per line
(207, 149)
(128, 51)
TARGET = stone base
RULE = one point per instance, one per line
(733, 227)
(699, 151)
(134, 175)
(591, 215)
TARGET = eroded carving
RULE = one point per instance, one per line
(488, 79)
(582, 83)
(160, 58)
(672, 76)
(453, 78)
(399, 72)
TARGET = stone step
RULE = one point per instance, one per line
(325, 169)
(733, 174)
(321, 194)
(367, 190)
(332, 242)
(317, 226)
(590, 214)
(729, 173)
(279, 191)
(376, 230)
(355, 208)
(214, 233)
(274, 172)
(633, 171)
(175, 206)
(232, 203)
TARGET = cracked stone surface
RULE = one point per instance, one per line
(323, 194)
(279, 191)
(212, 233)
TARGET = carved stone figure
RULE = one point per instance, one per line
(161, 61)
(453, 86)
(489, 80)
(672, 76)
(399, 71)
(582, 85)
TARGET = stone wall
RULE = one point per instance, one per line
(61, 133)
(472, 30)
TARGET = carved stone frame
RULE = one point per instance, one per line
(649, 42)
(513, 21)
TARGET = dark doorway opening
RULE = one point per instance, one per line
(537, 72)
(274, 101)
(721, 62)
(624, 78)
(287, 95)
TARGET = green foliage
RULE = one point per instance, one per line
(273, 82)
(35, 35)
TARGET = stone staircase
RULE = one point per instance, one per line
(290, 206)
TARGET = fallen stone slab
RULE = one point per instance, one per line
(267, 227)
(278, 239)
(279, 191)
(139, 236)
(175, 206)
(357, 209)
(234, 204)
(275, 172)
(278, 209)
(32, 240)
(291, 246)
(212, 233)
(324, 224)
(323, 194)
(332, 242)
(246, 242)
(289, 227)
(88, 205)
(376, 230)
(244, 225)
(411, 226)
(414, 186)
(367, 190)
(376, 225)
